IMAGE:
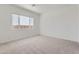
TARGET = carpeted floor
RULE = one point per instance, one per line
(40, 45)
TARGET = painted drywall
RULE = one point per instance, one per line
(78, 21)
(61, 22)
(6, 32)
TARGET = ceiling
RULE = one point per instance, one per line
(43, 8)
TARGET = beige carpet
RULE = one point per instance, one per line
(40, 45)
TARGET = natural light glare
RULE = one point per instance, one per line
(24, 20)
(14, 19)
(31, 21)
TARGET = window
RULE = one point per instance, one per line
(31, 21)
(22, 21)
(14, 19)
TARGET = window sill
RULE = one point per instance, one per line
(21, 27)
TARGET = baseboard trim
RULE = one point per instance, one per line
(11, 41)
(60, 38)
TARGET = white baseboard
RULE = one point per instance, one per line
(59, 38)
(10, 41)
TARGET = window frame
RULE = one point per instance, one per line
(19, 26)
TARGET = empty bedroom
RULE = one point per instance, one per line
(39, 29)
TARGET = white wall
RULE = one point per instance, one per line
(78, 20)
(6, 33)
(61, 22)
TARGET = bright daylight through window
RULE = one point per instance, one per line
(22, 21)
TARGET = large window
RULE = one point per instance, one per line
(15, 19)
(22, 21)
